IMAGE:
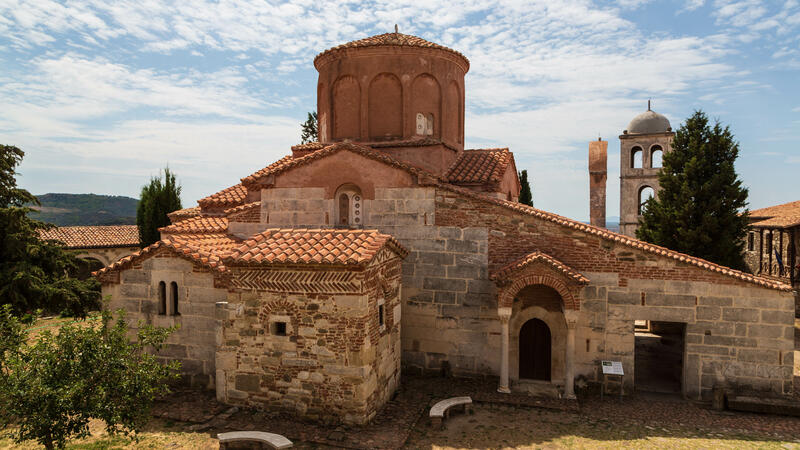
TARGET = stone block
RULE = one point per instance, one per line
(135, 276)
(656, 299)
(709, 312)
(468, 271)
(431, 270)
(134, 290)
(715, 301)
(444, 284)
(765, 331)
(248, 382)
(760, 355)
(447, 298)
(481, 287)
(740, 314)
(450, 232)
(777, 317)
(461, 246)
(173, 351)
(624, 298)
(436, 258)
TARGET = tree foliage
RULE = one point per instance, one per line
(159, 198)
(700, 209)
(51, 388)
(309, 131)
(33, 272)
(525, 195)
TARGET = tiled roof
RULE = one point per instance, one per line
(105, 236)
(479, 166)
(245, 207)
(779, 216)
(530, 258)
(231, 196)
(289, 162)
(423, 142)
(621, 239)
(390, 39)
(182, 214)
(308, 146)
(199, 224)
(206, 249)
(309, 246)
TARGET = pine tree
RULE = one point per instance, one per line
(33, 272)
(158, 199)
(309, 131)
(700, 209)
(525, 196)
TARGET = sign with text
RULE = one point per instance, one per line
(612, 367)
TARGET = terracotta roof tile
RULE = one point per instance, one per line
(309, 146)
(289, 162)
(479, 166)
(778, 216)
(389, 39)
(232, 196)
(530, 258)
(181, 214)
(199, 224)
(105, 236)
(621, 239)
(313, 246)
(206, 249)
(245, 207)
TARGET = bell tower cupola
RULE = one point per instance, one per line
(642, 145)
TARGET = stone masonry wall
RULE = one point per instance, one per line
(334, 362)
(736, 331)
(193, 344)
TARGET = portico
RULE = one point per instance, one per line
(538, 305)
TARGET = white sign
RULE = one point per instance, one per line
(612, 367)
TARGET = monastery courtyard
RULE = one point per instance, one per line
(189, 419)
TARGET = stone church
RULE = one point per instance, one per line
(386, 247)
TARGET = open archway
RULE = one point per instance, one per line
(535, 350)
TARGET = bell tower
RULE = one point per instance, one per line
(642, 145)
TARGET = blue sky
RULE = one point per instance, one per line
(101, 95)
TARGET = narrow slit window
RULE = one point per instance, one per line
(162, 298)
(174, 298)
(381, 318)
(751, 241)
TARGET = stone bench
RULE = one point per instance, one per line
(252, 439)
(441, 410)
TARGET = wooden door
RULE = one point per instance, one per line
(534, 350)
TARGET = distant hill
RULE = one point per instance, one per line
(86, 209)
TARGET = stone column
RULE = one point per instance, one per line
(505, 315)
(571, 317)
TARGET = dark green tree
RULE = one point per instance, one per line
(525, 196)
(159, 198)
(309, 132)
(33, 272)
(52, 387)
(701, 208)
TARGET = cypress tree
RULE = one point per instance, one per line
(700, 209)
(158, 198)
(309, 132)
(525, 196)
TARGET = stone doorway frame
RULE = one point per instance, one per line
(532, 269)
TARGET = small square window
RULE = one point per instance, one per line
(279, 328)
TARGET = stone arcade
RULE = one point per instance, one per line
(307, 285)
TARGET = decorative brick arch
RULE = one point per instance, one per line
(539, 269)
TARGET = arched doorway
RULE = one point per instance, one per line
(534, 350)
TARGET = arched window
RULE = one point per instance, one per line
(349, 204)
(174, 298)
(636, 158)
(645, 194)
(162, 298)
(656, 153)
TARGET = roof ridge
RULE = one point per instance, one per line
(369, 152)
(622, 239)
(536, 256)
